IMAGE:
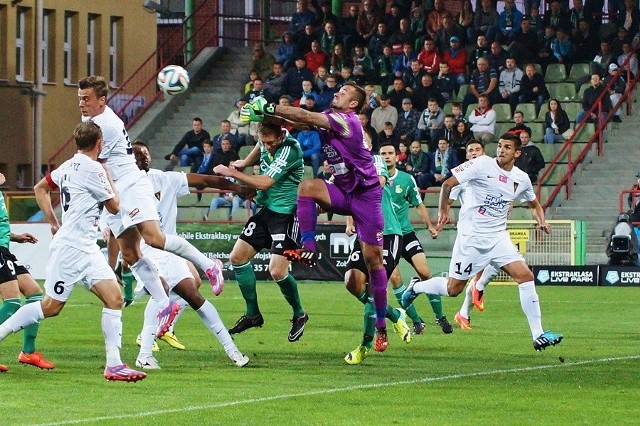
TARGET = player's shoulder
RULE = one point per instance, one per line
(519, 175)
(108, 119)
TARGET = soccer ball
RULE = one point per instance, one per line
(173, 79)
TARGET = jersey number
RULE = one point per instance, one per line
(467, 270)
(129, 149)
(58, 287)
(248, 230)
(65, 198)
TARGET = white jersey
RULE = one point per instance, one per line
(168, 186)
(116, 146)
(460, 192)
(490, 192)
(83, 186)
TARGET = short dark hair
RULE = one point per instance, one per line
(207, 142)
(517, 143)
(87, 135)
(95, 82)
(197, 119)
(140, 142)
(472, 141)
(270, 127)
(389, 144)
(360, 94)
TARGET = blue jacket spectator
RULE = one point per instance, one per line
(441, 162)
(509, 19)
(292, 84)
(326, 95)
(301, 17)
(286, 51)
(562, 48)
(309, 141)
(403, 63)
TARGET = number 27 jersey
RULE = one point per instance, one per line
(83, 187)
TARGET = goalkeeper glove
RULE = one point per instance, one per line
(248, 114)
(261, 106)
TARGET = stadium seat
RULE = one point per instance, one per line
(431, 200)
(185, 169)
(502, 128)
(556, 174)
(585, 133)
(205, 199)
(308, 172)
(189, 214)
(378, 89)
(537, 132)
(244, 151)
(447, 108)
(555, 73)
(503, 112)
(580, 93)
(537, 67)
(528, 110)
(188, 200)
(521, 213)
(471, 107)
(562, 91)
(548, 151)
(543, 110)
(578, 70)
(462, 90)
(572, 109)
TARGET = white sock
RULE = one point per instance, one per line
(148, 274)
(149, 328)
(210, 318)
(183, 305)
(434, 285)
(531, 307)
(112, 330)
(465, 309)
(181, 247)
(23, 317)
(489, 273)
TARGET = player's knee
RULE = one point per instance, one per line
(155, 240)
(455, 287)
(114, 301)
(51, 307)
(308, 187)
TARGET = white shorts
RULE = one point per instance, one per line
(471, 253)
(170, 267)
(137, 203)
(68, 266)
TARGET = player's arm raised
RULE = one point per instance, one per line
(260, 182)
(302, 116)
(219, 182)
(538, 215)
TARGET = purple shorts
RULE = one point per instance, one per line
(365, 206)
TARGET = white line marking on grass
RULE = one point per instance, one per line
(337, 390)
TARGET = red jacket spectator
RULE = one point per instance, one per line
(429, 57)
(316, 58)
(457, 65)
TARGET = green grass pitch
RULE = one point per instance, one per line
(489, 375)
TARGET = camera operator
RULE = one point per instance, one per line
(622, 249)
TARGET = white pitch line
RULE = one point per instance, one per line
(337, 390)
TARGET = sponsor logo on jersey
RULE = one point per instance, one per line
(398, 189)
(134, 212)
(379, 236)
(482, 210)
(502, 178)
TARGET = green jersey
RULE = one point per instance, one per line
(286, 168)
(404, 193)
(5, 231)
(391, 223)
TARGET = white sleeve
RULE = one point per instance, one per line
(470, 169)
(179, 182)
(456, 192)
(98, 184)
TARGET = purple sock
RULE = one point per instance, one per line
(378, 282)
(307, 219)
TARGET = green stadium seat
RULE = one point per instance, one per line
(580, 93)
(578, 70)
(189, 214)
(537, 132)
(537, 67)
(185, 169)
(502, 128)
(308, 172)
(572, 109)
(503, 112)
(205, 199)
(528, 110)
(462, 90)
(564, 92)
(447, 108)
(548, 151)
(244, 151)
(430, 199)
(585, 133)
(555, 73)
(188, 200)
(543, 110)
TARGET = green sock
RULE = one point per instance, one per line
(392, 314)
(127, 280)
(30, 332)
(8, 308)
(436, 304)
(363, 297)
(247, 281)
(412, 312)
(369, 324)
(289, 289)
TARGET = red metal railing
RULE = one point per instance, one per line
(567, 148)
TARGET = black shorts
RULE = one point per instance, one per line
(390, 255)
(10, 267)
(411, 246)
(268, 229)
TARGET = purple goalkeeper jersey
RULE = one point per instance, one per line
(344, 149)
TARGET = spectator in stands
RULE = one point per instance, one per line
(413, 76)
(325, 97)
(338, 59)
(384, 67)
(292, 85)
(616, 43)
(417, 20)
(372, 99)
(321, 78)
(556, 17)
(537, 25)
(385, 112)
(257, 90)
(307, 92)
(426, 91)
(455, 57)
(206, 166)
(429, 57)
(633, 201)
(227, 154)
(245, 132)
(378, 41)
(445, 83)
(346, 75)
(630, 18)
(388, 135)
(563, 48)
(483, 81)
(407, 121)
(398, 93)
(248, 85)
(224, 199)
(393, 17)
(599, 64)
(481, 51)
(272, 86)
(368, 19)
(616, 90)
(545, 48)
(448, 128)
(309, 140)
(370, 134)
(497, 57)
(310, 104)
(363, 70)
(316, 58)
(518, 120)
(188, 152)
(532, 87)
(508, 21)
(261, 61)
(589, 99)
(530, 160)
(627, 52)
(302, 17)
(404, 60)
(430, 123)
(464, 21)
(585, 43)
(446, 33)
(461, 136)
(403, 154)
(557, 124)
(225, 133)
(486, 20)
(348, 29)
(402, 36)
(330, 37)
(325, 16)
(435, 18)
(510, 79)
(577, 13)
(483, 120)
(303, 44)
(441, 164)
(286, 51)
(456, 111)
(524, 43)
(417, 162)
